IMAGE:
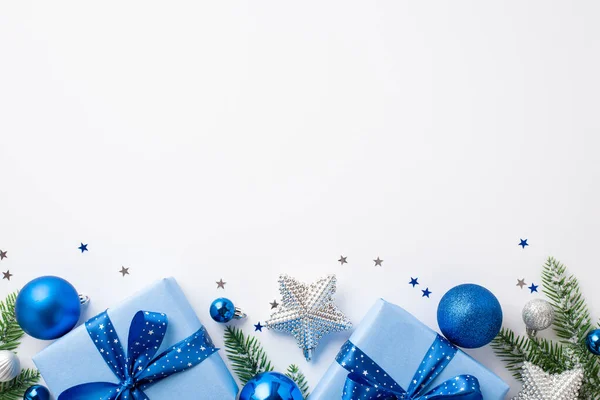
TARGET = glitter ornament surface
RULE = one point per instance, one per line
(308, 312)
(539, 385)
(469, 316)
(538, 315)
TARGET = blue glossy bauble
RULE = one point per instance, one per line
(271, 386)
(36, 392)
(48, 307)
(593, 342)
(222, 310)
(469, 316)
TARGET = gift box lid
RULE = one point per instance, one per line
(73, 359)
(397, 341)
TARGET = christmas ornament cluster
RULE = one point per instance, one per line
(565, 368)
(469, 316)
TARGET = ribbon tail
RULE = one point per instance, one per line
(181, 356)
(438, 356)
(356, 387)
(137, 394)
(95, 390)
(105, 338)
(463, 387)
(146, 333)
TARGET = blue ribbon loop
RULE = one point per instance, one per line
(139, 368)
(367, 380)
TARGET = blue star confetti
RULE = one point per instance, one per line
(258, 327)
(413, 281)
(533, 288)
(523, 243)
(426, 292)
(83, 247)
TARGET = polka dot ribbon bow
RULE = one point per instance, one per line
(140, 367)
(367, 380)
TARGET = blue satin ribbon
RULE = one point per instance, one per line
(367, 380)
(139, 368)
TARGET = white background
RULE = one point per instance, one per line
(241, 140)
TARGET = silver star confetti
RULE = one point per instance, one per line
(308, 312)
(124, 271)
(521, 283)
(221, 284)
(539, 385)
(378, 262)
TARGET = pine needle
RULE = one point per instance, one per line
(14, 390)
(572, 323)
(511, 349)
(294, 373)
(246, 354)
(10, 331)
(10, 335)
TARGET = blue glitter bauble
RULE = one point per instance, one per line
(48, 307)
(36, 392)
(222, 310)
(593, 341)
(271, 386)
(469, 316)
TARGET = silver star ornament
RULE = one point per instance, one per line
(540, 385)
(308, 312)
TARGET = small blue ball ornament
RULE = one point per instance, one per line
(593, 342)
(47, 307)
(271, 386)
(222, 310)
(36, 392)
(470, 316)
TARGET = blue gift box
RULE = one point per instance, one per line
(398, 342)
(74, 359)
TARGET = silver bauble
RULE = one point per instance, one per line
(538, 315)
(9, 366)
